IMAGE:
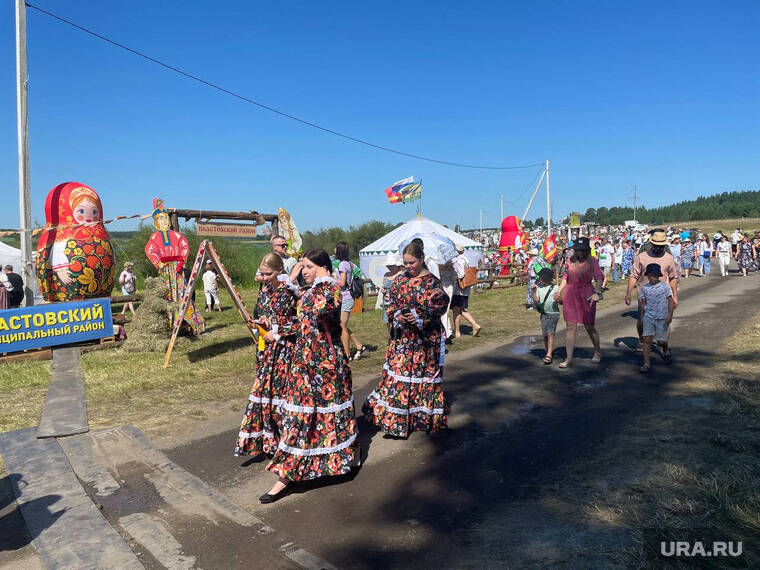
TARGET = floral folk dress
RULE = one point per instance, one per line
(410, 394)
(744, 255)
(260, 428)
(318, 426)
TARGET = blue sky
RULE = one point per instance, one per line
(661, 95)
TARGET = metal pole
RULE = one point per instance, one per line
(635, 203)
(24, 201)
(548, 204)
(501, 207)
(481, 222)
(533, 197)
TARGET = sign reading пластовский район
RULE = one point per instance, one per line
(55, 323)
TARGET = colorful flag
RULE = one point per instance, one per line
(411, 192)
(550, 247)
(393, 192)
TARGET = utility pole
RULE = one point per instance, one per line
(501, 207)
(548, 204)
(481, 221)
(24, 200)
(635, 203)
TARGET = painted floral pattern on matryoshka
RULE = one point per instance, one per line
(75, 259)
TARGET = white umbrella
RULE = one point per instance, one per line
(437, 247)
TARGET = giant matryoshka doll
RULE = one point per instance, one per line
(75, 259)
(511, 240)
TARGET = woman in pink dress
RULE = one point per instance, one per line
(579, 298)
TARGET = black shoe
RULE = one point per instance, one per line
(266, 498)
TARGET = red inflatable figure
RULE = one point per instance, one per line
(511, 240)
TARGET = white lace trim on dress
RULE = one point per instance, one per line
(317, 450)
(401, 411)
(412, 379)
(281, 403)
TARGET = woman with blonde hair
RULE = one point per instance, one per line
(579, 298)
(276, 309)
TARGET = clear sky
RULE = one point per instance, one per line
(663, 95)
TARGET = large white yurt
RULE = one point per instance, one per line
(372, 258)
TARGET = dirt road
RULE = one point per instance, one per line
(509, 485)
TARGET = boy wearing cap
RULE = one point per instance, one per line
(546, 305)
(657, 306)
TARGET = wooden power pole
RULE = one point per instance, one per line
(24, 200)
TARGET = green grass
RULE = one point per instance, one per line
(127, 387)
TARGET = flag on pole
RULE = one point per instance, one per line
(411, 192)
(393, 192)
(549, 247)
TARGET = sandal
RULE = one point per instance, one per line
(668, 358)
(547, 360)
(596, 359)
(565, 364)
(644, 368)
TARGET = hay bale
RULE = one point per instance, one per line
(150, 330)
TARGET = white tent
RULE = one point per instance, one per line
(372, 257)
(9, 255)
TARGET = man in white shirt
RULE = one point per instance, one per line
(210, 288)
(736, 237)
(606, 256)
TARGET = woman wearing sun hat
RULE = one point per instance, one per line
(579, 298)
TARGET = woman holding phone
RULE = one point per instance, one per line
(410, 394)
(276, 310)
(318, 426)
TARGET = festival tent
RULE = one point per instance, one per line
(372, 258)
(9, 255)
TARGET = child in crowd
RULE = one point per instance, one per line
(543, 299)
(657, 308)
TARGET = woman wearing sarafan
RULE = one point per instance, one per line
(410, 395)
(317, 425)
(276, 307)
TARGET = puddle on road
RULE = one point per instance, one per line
(524, 345)
(591, 383)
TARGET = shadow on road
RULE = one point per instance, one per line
(14, 533)
(481, 470)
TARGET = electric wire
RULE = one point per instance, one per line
(267, 107)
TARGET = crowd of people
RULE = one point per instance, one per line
(301, 410)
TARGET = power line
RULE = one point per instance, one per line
(267, 107)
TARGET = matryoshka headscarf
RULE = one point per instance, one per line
(60, 224)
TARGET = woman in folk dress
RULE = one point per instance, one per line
(318, 426)
(410, 394)
(276, 308)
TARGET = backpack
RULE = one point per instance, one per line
(356, 286)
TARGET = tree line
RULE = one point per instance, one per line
(357, 237)
(741, 204)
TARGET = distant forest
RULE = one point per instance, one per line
(745, 204)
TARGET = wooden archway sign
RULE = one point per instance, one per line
(207, 248)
